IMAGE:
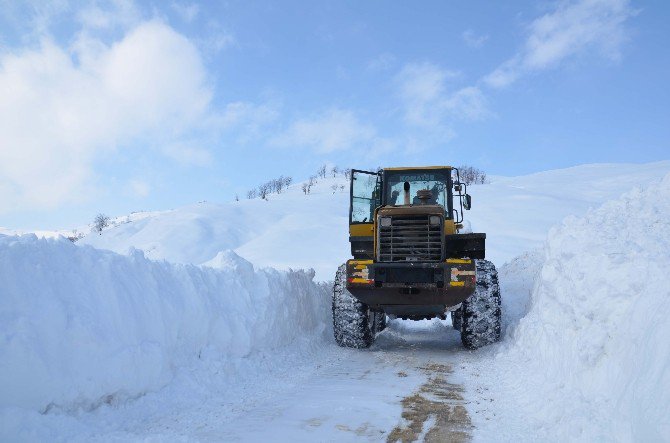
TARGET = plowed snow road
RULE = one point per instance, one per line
(406, 387)
(401, 388)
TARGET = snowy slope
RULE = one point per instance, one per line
(39, 233)
(80, 326)
(517, 212)
(293, 230)
(80, 230)
(589, 361)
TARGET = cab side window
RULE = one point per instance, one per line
(365, 196)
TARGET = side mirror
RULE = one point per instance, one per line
(457, 188)
(467, 203)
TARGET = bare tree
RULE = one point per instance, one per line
(100, 222)
(347, 173)
(276, 184)
(321, 171)
(342, 188)
(237, 197)
(75, 236)
(471, 175)
(335, 171)
(334, 188)
(264, 190)
(305, 188)
(281, 183)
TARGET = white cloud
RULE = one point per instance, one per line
(58, 115)
(382, 62)
(188, 153)
(32, 17)
(249, 117)
(334, 130)
(573, 28)
(139, 188)
(473, 39)
(109, 15)
(428, 103)
(218, 41)
(187, 11)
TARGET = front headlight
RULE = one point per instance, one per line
(385, 221)
(434, 220)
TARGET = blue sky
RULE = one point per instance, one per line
(123, 106)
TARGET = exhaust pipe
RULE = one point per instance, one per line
(406, 187)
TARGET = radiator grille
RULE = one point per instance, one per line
(409, 238)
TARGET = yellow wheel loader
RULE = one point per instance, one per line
(411, 260)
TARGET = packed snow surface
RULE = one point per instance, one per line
(294, 230)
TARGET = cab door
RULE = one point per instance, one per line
(364, 198)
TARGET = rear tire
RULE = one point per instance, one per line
(481, 311)
(353, 322)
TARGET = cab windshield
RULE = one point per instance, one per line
(436, 182)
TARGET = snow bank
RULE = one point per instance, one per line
(591, 359)
(80, 326)
(517, 279)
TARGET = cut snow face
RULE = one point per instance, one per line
(590, 360)
(79, 326)
(294, 230)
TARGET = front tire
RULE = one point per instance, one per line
(457, 318)
(481, 313)
(380, 321)
(354, 325)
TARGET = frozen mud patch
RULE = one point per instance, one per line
(435, 412)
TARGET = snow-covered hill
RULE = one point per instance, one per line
(294, 230)
(80, 231)
(290, 230)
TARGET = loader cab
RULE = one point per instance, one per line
(398, 189)
(402, 187)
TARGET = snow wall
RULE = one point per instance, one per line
(594, 342)
(79, 325)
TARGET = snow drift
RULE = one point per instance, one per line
(590, 361)
(80, 325)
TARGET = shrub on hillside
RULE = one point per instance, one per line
(100, 222)
(471, 175)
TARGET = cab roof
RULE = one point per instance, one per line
(413, 168)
